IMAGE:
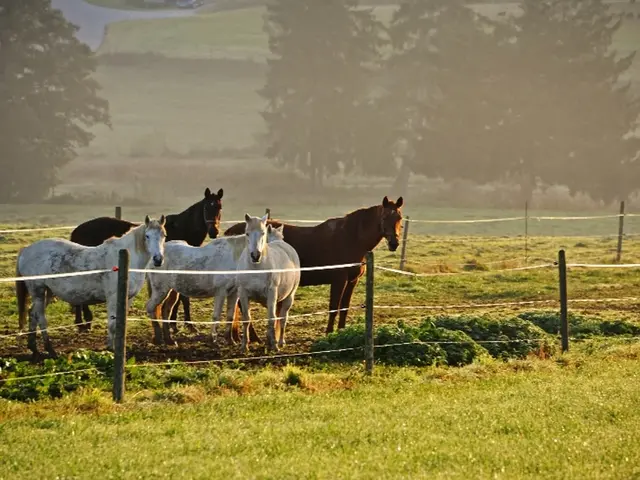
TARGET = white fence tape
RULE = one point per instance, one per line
(43, 229)
(54, 275)
(410, 220)
(606, 265)
(473, 272)
(246, 272)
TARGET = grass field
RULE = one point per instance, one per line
(576, 419)
(570, 416)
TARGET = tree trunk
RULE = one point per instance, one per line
(401, 183)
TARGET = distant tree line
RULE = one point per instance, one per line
(48, 98)
(535, 95)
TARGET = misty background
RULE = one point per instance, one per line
(326, 104)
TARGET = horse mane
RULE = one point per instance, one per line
(354, 220)
(138, 232)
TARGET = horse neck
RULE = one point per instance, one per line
(133, 241)
(366, 223)
(188, 225)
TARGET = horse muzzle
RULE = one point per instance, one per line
(393, 245)
(213, 232)
(255, 257)
(158, 260)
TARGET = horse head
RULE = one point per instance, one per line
(212, 211)
(154, 237)
(391, 222)
(256, 236)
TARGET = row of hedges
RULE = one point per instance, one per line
(531, 333)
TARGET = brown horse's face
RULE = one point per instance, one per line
(212, 211)
(391, 222)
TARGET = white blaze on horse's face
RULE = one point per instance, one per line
(154, 238)
(256, 236)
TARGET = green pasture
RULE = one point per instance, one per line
(573, 418)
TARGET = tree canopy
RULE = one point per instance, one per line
(317, 82)
(535, 93)
(48, 97)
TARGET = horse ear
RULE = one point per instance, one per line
(280, 228)
(220, 192)
(385, 202)
(265, 218)
(399, 202)
(163, 220)
(146, 220)
(207, 193)
(269, 228)
(247, 218)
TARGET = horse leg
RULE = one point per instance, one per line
(174, 314)
(167, 306)
(337, 289)
(36, 305)
(285, 306)
(278, 321)
(253, 335)
(346, 302)
(88, 317)
(42, 322)
(186, 304)
(78, 321)
(232, 300)
(154, 309)
(272, 300)
(246, 318)
(218, 304)
(112, 304)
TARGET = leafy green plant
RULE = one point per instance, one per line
(402, 345)
(506, 337)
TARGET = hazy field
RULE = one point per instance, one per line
(182, 125)
(175, 117)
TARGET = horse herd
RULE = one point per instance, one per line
(175, 243)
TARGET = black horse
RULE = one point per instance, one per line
(192, 226)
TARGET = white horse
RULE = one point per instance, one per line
(218, 255)
(273, 290)
(57, 255)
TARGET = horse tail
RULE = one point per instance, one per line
(148, 283)
(22, 294)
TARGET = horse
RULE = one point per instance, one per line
(274, 290)
(340, 240)
(53, 256)
(192, 226)
(218, 255)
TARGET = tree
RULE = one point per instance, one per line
(536, 96)
(317, 82)
(575, 128)
(443, 73)
(47, 94)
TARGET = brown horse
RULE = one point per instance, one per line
(191, 225)
(335, 241)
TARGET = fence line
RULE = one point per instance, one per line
(306, 269)
(55, 275)
(410, 220)
(52, 374)
(247, 272)
(476, 272)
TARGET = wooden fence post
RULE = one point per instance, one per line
(620, 232)
(120, 341)
(405, 236)
(564, 318)
(368, 335)
(526, 232)
(268, 212)
(119, 212)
